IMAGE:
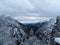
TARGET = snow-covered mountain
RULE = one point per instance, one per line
(11, 32)
(47, 26)
(44, 33)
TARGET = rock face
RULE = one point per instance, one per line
(10, 31)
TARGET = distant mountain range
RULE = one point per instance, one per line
(34, 26)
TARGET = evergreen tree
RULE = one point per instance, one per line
(31, 32)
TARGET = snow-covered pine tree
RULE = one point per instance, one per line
(31, 32)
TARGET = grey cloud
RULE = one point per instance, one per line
(30, 7)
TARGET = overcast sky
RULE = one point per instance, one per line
(30, 9)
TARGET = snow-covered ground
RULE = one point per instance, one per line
(57, 39)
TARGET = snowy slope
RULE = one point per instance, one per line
(10, 31)
(47, 26)
(44, 32)
(57, 40)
